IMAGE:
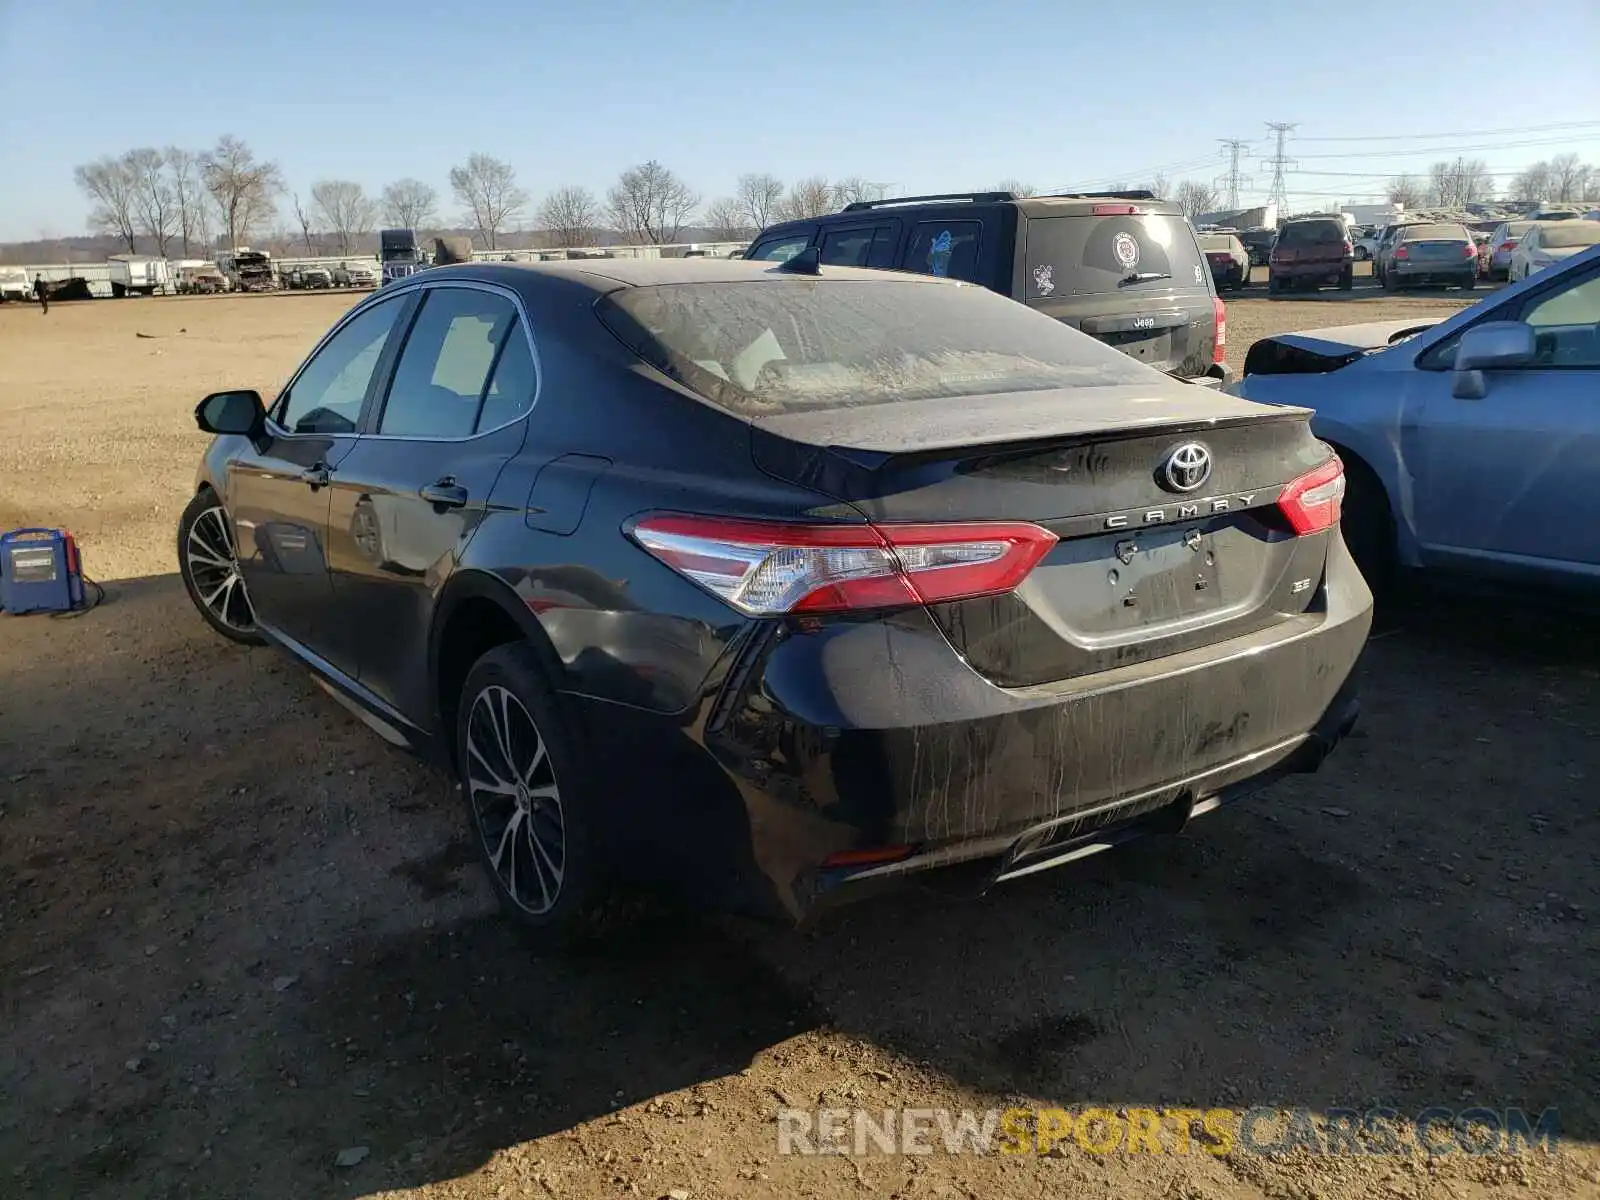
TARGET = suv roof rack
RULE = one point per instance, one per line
(1125, 194)
(953, 197)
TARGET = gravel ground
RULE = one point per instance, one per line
(241, 941)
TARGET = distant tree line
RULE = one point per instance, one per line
(181, 201)
(1454, 183)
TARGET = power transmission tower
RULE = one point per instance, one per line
(1235, 148)
(1279, 192)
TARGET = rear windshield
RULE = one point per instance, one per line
(1218, 241)
(1085, 256)
(1517, 228)
(1311, 233)
(1566, 237)
(775, 346)
(1436, 233)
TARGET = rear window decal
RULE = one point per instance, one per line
(1044, 278)
(939, 254)
(1126, 249)
(1198, 278)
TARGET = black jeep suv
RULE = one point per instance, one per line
(1123, 267)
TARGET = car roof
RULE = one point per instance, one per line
(1028, 206)
(608, 274)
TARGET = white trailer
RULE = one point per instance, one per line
(138, 273)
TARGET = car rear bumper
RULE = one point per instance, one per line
(1329, 271)
(875, 741)
(1434, 272)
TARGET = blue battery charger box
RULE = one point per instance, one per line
(40, 571)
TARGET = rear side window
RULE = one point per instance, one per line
(771, 347)
(1084, 256)
(945, 248)
(1570, 237)
(1311, 233)
(445, 366)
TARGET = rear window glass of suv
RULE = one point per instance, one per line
(772, 347)
(1435, 233)
(1083, 256)
(1568, 237)
(1213, 242)
(1311, 233)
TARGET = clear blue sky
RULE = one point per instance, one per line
(924, 96)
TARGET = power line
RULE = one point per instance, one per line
(1417, 137)
(1418, 151)
(1278, 193)
(1234, 148)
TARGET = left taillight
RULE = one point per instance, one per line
(770, 568)
(1219, 310)
(1312, 502)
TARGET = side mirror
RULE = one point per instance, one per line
(231, 412)
(1492, 346)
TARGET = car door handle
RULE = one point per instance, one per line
(317, 476)
(447, 493)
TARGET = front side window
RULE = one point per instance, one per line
(328, 394)
(1566, 325)
(440, 379)
(771, 347)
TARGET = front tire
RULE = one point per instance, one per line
(526, 776)
(208, 561)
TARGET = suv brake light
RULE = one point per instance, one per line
(1116, 210)
(1313, 502)
(1471, 250)
(769, 568)
(1220, 311)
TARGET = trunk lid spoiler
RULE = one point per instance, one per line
(1319, 351)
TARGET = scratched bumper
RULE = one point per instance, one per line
(852, 736)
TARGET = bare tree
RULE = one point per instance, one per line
(650, 204)
(409, 204)
(1459, 182)
(1160, 187)
(109, 184)
(1536, 181)
(853, 190)
(1195, 197)
(153, 202)
(244, 188)
(727, 221)
(759, 197)
(569, 215)
(183, 178)
(487, 188)
(1016, 187)
(304, 219)
(1407, 191)
(346, 210)
(808, 198)
(1569, 177)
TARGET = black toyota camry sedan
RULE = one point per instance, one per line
(772, 585)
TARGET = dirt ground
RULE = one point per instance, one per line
(239, 935)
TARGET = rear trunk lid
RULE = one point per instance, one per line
(1142, 569)
(1133, 281)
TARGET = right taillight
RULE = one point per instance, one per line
(770, 568)
(1509, 244)
(1312, 502)
(1219, 312)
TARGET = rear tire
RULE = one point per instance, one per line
(1274, 286)
(1391, 282)
(526, 778)
(1347, 279)
(1469, 283)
